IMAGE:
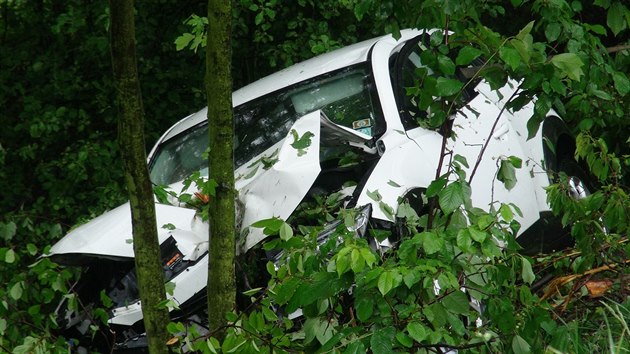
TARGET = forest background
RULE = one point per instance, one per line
(59, 160)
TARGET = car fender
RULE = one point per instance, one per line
(110, 235)
(404, 165)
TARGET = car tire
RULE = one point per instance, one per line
(547, 234)
(579, 183)
(579, 187)
(416, 200)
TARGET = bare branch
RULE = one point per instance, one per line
(617, 48)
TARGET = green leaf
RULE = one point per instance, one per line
(456, 302)
(3, 326)
(558, 86)
(411, 278)
(393, 184)
(510, 56)
(285, 291)
(406, 211)
(361, 8)
(520, 346)
(260, 17)
(507, 174)
(286, 232)
(8, 230)
(364, 307)
(342, 261)
(478, 235)
(270, 226)
(506, 212)
(462, 160)
(356, 260)
(569, 64)
(541, 107)
(318, 328)
(31, 249)
(382, 340)
(525, 31)
(436, 38)
(597, 29)
(448, 87)
(388, 280)
(446, 65)
(516, 161)
(602, 3)
(615, 18)
(526, 271)
(523, 48)
(466, 55)
(431, 242)
(387, 210)
(464, 241)
(593, 90)
(175, 327)
(368, 257)
(16, 291)
(375, 196)
(213, 345)
(496, 76)
(404, 339)
(622, 84)
(169, 226)
(552, 31)
(301, 143)
(9, 257)
(107, 301)
(451, 197)
(436, 186)
(182, 41)
(417, 331)
(355, 347)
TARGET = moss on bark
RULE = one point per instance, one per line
(131, 140)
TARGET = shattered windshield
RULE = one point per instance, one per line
(347, 97)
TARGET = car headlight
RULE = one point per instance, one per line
(359, 227)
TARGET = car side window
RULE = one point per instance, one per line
(181, 156)
(344, 98)
(408, 70)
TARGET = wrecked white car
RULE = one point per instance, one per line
(341, 122)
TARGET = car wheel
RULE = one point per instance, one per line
(416, 199)
(547, 234)
(577, 179)
(579, 187)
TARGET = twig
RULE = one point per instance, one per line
(617, 48)
(490, 134)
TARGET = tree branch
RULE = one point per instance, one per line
(617, 48)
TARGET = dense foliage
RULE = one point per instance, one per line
(59, 165)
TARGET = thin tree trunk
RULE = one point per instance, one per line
(131, 140)
(221, 288)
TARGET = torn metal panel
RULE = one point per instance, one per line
(277, 190)
(110, 234)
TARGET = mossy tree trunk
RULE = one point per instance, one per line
(221, 288)
(131, 140)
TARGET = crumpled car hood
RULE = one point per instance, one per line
(109, 235)
(265, 191)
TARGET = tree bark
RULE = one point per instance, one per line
(221, 286)
(131, 140)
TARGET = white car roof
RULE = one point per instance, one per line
(331, 61)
